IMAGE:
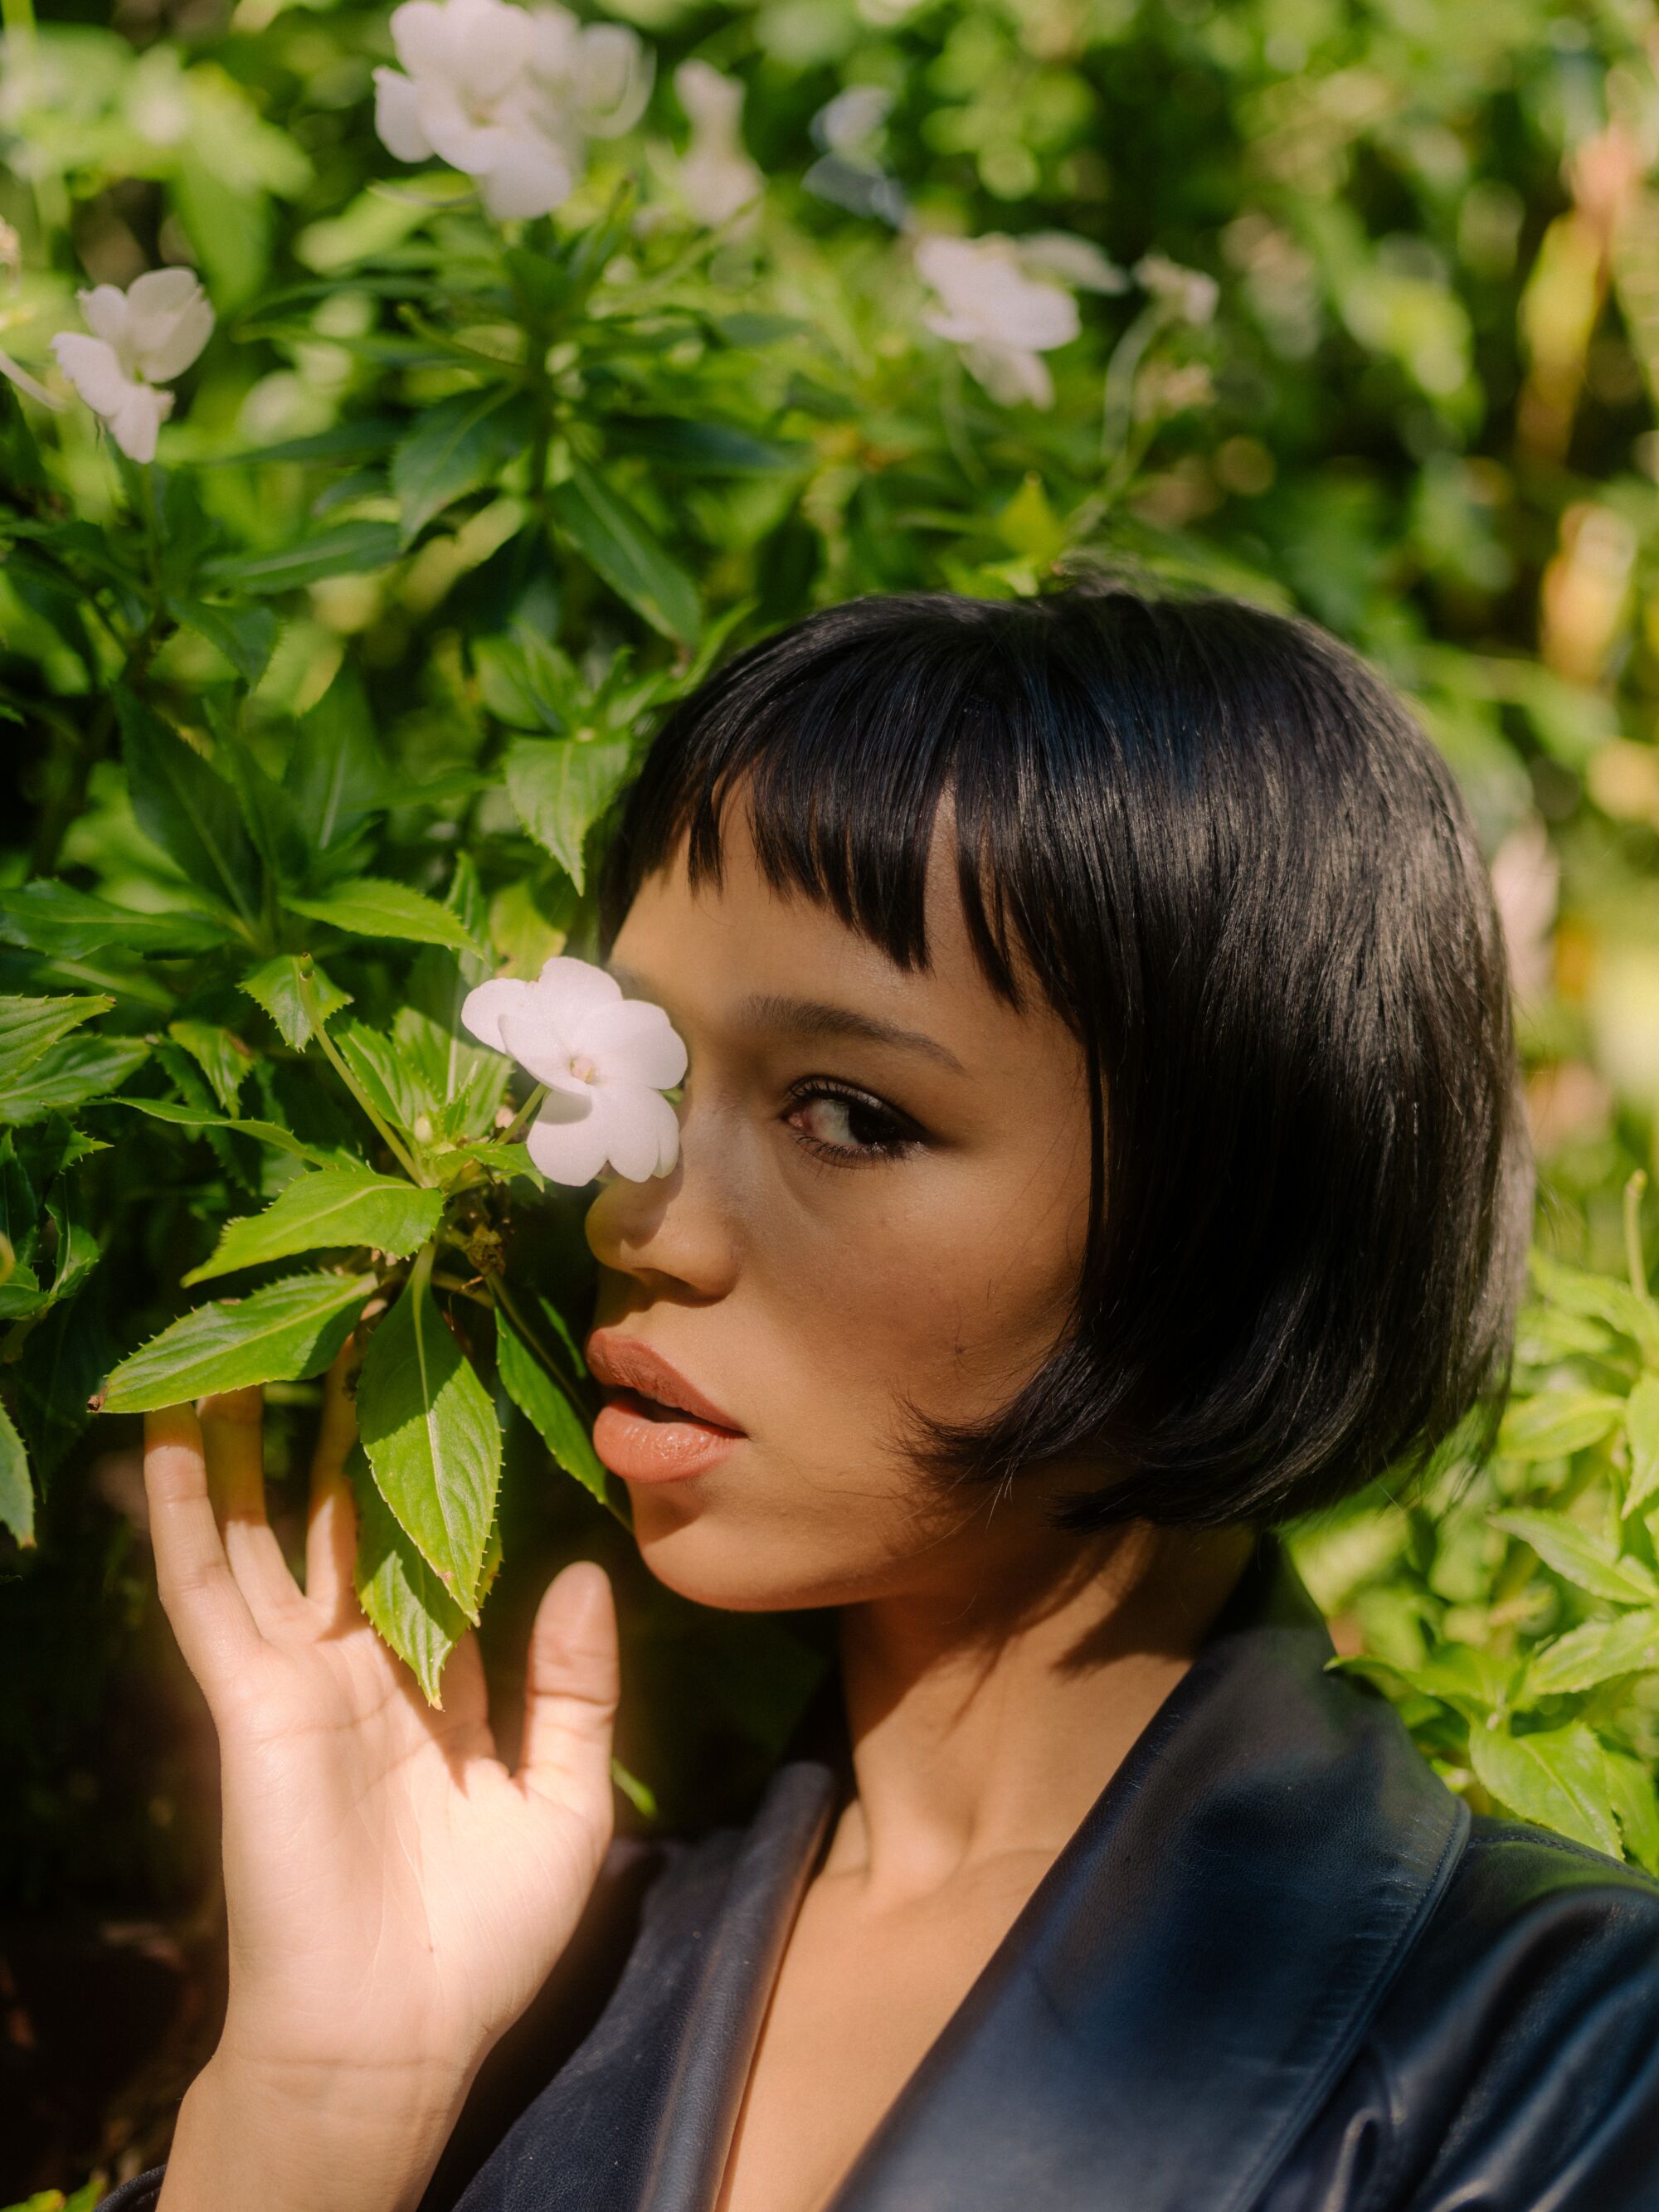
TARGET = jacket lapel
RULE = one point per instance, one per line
(1189, 1981)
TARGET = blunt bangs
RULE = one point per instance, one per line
(1234, 865)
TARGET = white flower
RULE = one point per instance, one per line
(605, 1059)
(141, 340)
(1188, 292)
(716, 177)
(1004, 319)
(509, 95)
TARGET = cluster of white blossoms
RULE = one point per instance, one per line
(140, 340)
(716, 177)
(508, 95)
(605, 1060)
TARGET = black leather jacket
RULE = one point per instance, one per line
(1278, 1968)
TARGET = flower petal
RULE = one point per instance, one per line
(631, 1042)
(531, 177)
(568, 1148)
(613, 79)
(93, 368)
(482, 1009)
(177, 340)
(104, 308)
(568, 987)
(535, 1043)
(638, 1123)
(397, 116)
(135, 423)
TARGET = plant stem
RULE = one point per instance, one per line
(308, 1000)
(1634, 1258)
(526, 1114)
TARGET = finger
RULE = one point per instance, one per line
(331, 1521)
(233, 1438)
(209, 1614)
(570, 1692)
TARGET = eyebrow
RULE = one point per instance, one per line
(804, 1018)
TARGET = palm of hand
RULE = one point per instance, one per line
(395, 1895)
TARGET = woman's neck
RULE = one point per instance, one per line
(983, 1728)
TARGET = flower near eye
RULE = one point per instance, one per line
(508, 95)
(141, 340)
(605, 1060)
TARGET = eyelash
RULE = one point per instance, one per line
(903, 1138)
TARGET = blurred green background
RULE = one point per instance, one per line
(1369, 328)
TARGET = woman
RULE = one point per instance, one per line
(1100, 1145)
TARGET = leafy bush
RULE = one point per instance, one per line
(322, 710)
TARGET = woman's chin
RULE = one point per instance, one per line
(731, 1562)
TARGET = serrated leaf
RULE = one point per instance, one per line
(561, 786)
(1604, 1298)
(432, 1438)
(246, 637)
(30, 1027)
(338, 774)
(372, 907)
(1595, 1653)
(262, 1133)
(1557, 1422)
(16, 1491)
(1557, 1777)
(455, 446)
(276, 986)
(72, 1074)
(402, 1596)
(545, 1406)
(1574, 1552)
(618, 544)
(1642, 1428)
(282, 1334)
(352, 549)
(1630, 1786)
(324, 1209)
(181, 805)
(51, 917)
(221, 1055)
(1473, 1682)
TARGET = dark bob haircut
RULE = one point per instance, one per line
(1230, 859)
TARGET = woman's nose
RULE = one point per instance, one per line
(669, 1228)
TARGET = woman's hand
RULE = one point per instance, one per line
(395, 1896)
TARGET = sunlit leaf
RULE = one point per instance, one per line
(1575, 1552)
(400, 1594)
(324, 1209)
(72, 1074)
(560, 788)
(276, 986)
(619, 544)
(16, 1490)
(1642, 1428)
(30, 1027)
(1557, 1777)
(539, 1398)
(282, 1334)
(371, 907)
(1557, 1422)
(1595, 1652)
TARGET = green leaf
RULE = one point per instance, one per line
(1557, 1777)
(184, 808)
(72, 1074)
(338, 773)
(16, 1491)
(432, 1437)
(1557, 1422)
(221, 1056)
(561, 786)
(401, 1596)
(1473, 1682)
(1595, 1653)
(1603, 1297)
(1575, 1552)
(361, 439)
(617, 544)
(353, 549)
(1630, 1785)
(373, 908)
(701, 448)
(276, 986)
(52, 918)
(327, 1208)
(30, 1027)
(456, 446)
(282, 1334)
(264, 1133)
(1642, 1428)
(543, 1403)
(246, 637)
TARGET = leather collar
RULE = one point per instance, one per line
(1177, 2001)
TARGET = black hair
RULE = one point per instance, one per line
(1238, 868)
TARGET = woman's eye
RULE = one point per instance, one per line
(848, 1125)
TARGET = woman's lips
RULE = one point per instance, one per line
(655, 1425)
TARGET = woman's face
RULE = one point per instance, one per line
(880, 1202)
